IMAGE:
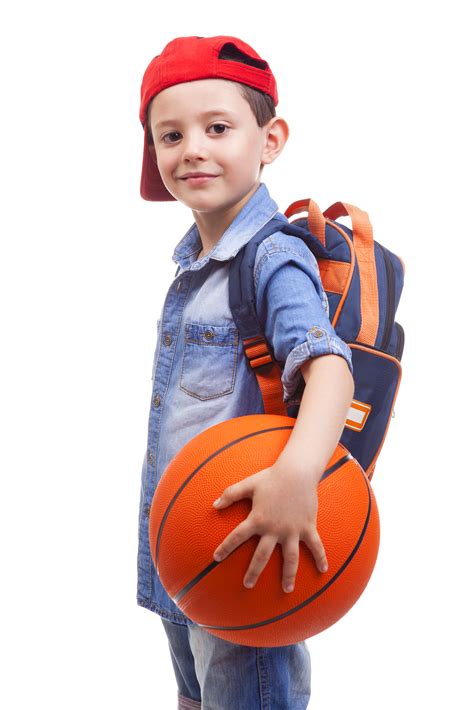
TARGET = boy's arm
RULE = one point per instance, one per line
(328, 393)
(284, 496)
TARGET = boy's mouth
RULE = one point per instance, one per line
(196, 173)
(198, 179)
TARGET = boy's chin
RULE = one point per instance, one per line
(191, 197)
(200, 202)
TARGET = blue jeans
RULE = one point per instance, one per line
(214, 674)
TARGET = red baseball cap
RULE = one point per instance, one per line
(188, 59)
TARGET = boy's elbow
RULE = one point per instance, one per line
(336, 361)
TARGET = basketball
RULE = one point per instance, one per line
(185, 529)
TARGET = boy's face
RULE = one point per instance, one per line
(228, 144)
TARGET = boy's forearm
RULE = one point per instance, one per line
(327, 395)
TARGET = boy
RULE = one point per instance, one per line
(208, 112)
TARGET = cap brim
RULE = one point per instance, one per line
(151, 184)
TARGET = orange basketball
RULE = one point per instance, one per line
(185, 529)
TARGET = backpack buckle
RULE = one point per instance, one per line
(258, 354)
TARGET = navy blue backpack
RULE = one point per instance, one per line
(363, 281)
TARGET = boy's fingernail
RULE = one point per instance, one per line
(324, 568)
(216, 502)
(288, 587)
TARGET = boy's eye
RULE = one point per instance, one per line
(173, 133)
(220, 125)
(177, 133)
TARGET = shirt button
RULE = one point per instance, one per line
(146, 511)
(168, 339)
(318, 333)
(208, 335)
(156, 400)
(150, 457)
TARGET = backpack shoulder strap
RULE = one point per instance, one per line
(363, 241)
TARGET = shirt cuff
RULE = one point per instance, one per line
(318, 342)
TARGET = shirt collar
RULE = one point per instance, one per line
(253, 216)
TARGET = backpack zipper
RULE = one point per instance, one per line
(390, 314)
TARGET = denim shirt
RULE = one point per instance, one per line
(200, 373)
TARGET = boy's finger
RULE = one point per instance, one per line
(262, 554)
(291, 555)
(236, 491)
(317, 548)
(239, 534)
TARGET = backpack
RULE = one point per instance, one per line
(363, 281)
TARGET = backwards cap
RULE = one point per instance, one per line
(188, 59)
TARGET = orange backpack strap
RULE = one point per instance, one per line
(363, 241)
(268, 374)
(316, 221)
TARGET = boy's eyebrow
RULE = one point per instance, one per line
(204, 114)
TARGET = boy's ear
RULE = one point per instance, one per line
(277, 132)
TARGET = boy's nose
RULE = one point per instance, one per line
(193, 147)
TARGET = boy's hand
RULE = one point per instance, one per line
(284, 510)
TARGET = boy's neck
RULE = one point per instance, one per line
(212, 225)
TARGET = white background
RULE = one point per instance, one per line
(378, 100)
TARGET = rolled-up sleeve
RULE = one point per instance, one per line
(291, 302)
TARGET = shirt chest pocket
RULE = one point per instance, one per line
(209, 362)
